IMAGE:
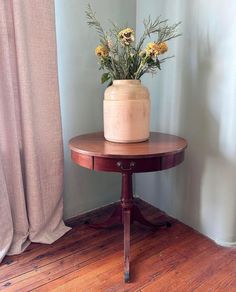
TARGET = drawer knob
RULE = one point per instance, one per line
(126, 168)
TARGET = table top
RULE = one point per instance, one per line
(158, 145)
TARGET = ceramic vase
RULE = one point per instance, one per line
(126, 112)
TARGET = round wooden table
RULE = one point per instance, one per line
(161, 151)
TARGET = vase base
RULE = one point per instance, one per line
(126, 141)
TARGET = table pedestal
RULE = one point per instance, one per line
(126, 213)
(161, 151)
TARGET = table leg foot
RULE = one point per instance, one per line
(168, 224)
(126, 277)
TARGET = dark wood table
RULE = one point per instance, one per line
(161, 151)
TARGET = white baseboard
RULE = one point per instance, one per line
(225, 243)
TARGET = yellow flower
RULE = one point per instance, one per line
(162, 48)
(101, 51)
(152, 49)
(126, 36)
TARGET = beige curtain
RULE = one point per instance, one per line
(31, 157)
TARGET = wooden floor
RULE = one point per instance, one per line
(85, 259)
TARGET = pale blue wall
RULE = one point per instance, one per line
(82, 94)
(194, 96)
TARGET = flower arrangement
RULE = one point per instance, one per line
(122, 57)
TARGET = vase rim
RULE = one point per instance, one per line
(128, 81)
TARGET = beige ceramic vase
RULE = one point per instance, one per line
(126, 112)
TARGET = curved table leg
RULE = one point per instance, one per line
(126, 219)
(137, 216)
(127, 205)
(126, 213)
(114, 219)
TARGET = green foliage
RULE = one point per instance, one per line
(121, 57)
(93, 22)
(105, 77)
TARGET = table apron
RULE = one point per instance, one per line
(128, 164)
(137, 164)
(82, 159)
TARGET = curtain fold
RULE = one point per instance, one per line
(31, 153)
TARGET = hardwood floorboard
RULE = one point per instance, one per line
(40, 255)
(86, 259)
(105, 263)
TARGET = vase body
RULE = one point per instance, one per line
(126, 112)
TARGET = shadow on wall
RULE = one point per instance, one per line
(210, 165)
(202, 191)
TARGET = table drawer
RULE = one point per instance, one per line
(137, 164)
(127, 165)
